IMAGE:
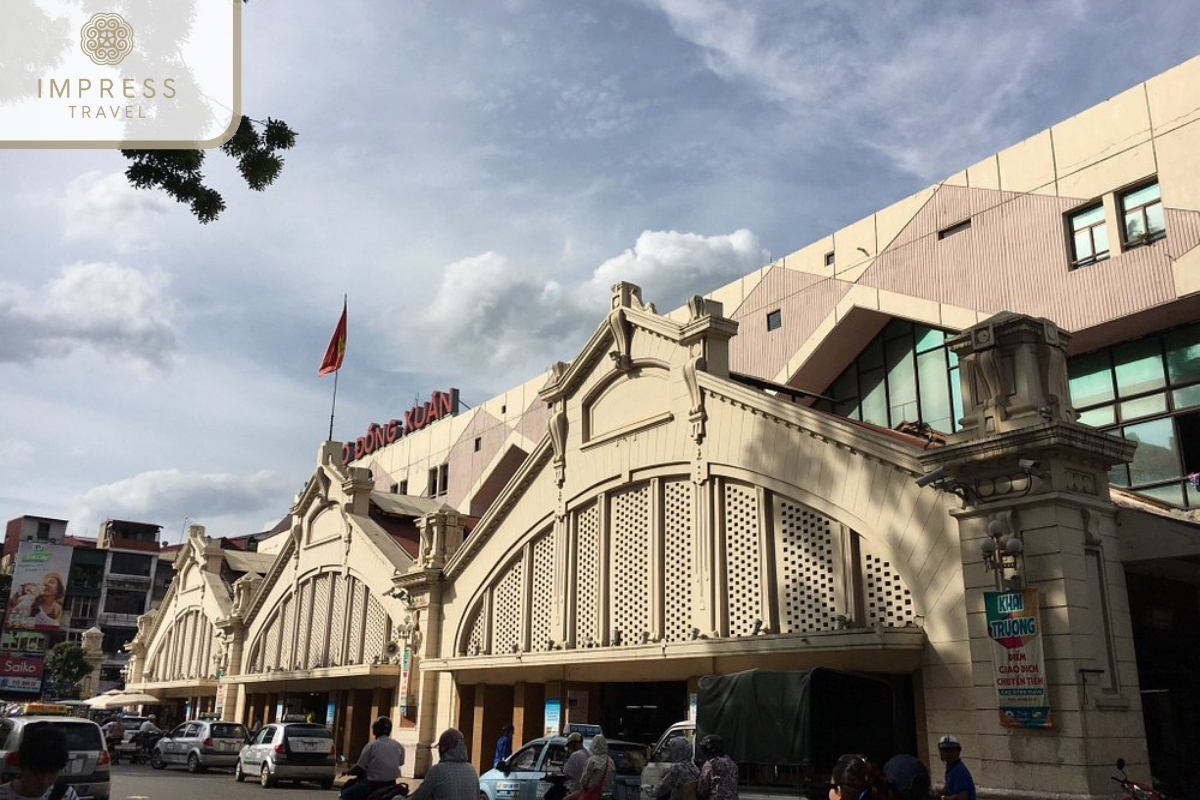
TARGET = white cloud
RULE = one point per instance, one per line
(671, 266)
(117, 310)
(495, 319)
(173, 494)
(99, 206)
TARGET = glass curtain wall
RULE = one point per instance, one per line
(1147, 390)
(905, 374)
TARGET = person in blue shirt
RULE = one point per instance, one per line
(959, 783)
(503, 745)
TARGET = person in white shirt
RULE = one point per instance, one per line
(378, 766)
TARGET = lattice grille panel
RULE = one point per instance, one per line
(630, 586)
(337, 622)
(318, 640)
(587, 584)
(541, 611)
(745, 558)
(271, 655)
(304, 623)
(506, 609)
(287, 637)
(806, 570)
(476, 642)
(206, 666)
(377, 632)
(189, 669)
(680, 560)
(888, 601)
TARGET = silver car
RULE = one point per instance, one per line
(289, 751)
(523, 775)
(87, 770)
(200, 744)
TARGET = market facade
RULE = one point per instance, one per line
(855, 457)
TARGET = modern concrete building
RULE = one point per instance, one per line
(864, 455)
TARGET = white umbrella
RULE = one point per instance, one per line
(99, 700)
(124, 698)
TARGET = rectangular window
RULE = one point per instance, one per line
(478, 443)
(829, 259)
(957, 227)
(1089, 235)
(43, 531)
(431, 485)
(774, 319)
(402, 487)
(439, 477)
(1142, 211)
(443, 478)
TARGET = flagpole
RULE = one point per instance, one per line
(334, 406)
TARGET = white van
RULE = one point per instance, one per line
(660, 758)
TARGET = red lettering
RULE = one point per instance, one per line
(378, 439)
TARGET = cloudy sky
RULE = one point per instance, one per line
(474, 175)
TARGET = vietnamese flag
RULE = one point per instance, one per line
(337, 347)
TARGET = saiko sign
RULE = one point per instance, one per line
(439, 404)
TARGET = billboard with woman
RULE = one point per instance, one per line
(39, 587)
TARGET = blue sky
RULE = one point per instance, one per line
(474, 175)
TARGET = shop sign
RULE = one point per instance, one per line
(20, 673)
(1014, 626)
(552, 716)
(439, 405)
(405, 666)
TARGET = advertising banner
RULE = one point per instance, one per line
(1015, 628)
(39, 587)
(20, 673)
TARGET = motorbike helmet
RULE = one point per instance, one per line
(949, 742)
(712, 745)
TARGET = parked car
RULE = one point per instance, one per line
(289, 751)
(87, 770)
(200, 744)
(521, 776)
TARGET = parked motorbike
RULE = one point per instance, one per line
(143, 742)
(1136, 790)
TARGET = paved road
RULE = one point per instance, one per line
(140, 782)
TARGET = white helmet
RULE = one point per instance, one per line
(949, 742)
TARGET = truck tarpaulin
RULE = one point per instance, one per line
(798, 716)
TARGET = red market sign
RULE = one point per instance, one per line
(439, 404)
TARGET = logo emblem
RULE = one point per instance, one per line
(106, 39)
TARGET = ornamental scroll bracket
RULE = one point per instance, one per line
(557, 425)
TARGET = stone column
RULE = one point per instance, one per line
(1036, 513)
(93, 653)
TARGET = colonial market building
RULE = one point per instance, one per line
(862, 456)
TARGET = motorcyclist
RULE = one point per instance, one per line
(378, 765)
(114, 735)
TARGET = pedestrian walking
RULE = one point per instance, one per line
(719, 775)
(599, 773)
(577, 759)
(503, 745)
(959, 784)
(683, 771)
